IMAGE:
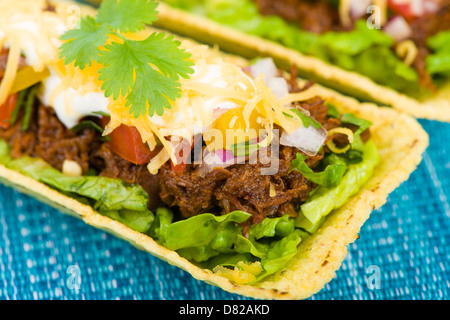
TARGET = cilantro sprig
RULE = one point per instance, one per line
(147, 72)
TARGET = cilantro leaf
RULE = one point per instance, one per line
(149, 72)
(83, 43)
(127, 15)
(164, 52)
(146, 72)
(156, 93)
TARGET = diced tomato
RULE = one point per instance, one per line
(182, 152)
(6, 111)
(404, 8)
(126, 142)
(179, 168)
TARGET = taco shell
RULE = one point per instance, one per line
(400, 141)
(436, 107)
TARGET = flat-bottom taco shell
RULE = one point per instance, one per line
(400, 141)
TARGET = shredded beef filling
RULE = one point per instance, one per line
(47, 138)
(314, 16)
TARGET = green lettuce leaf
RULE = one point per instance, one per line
(356, 41)
(324, 200)
(114, 198)
(204, 230)
(330, 177)
(163, 219)
(5, 153)
(218, 240)
(269, 227)
(438, 62)
(140, 221)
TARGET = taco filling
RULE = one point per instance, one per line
(403, 45)
(232, 172)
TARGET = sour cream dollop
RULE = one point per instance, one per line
(71, 105)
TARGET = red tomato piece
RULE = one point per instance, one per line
(403, 9)
(182, 152)
(179, 168)
(6, 111)
(126, 142)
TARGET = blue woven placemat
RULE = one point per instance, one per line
(403, 251)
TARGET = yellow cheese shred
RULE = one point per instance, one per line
(383, 6)
(25, 27)
(10, 73)
(344, 12)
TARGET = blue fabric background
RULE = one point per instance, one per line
(406, 244)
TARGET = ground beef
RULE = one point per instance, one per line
(47, 138)
(314, 16)
(420, 65)
(239, 187)
(110, 165)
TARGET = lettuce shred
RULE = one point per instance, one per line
(438, 62)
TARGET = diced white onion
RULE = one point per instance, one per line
(398, 28)
(264, 66)
(431, 6)
(272, 79)
(279, 87)
(309, 140)
(417, 7)
(358, 8)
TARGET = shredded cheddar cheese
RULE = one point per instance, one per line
(10, 72)
(344, 12)
(272, 191)
(26, 27)
(383, 6)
